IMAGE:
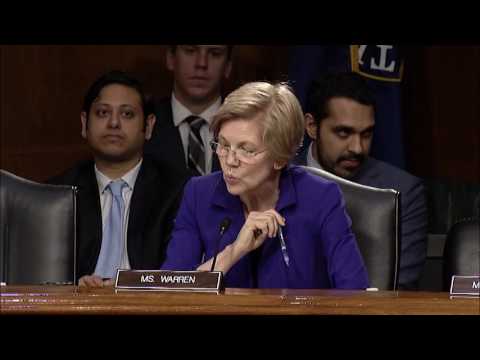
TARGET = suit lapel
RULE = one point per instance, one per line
(146, 188)
(90, 221)
(368, 174)
(166, 142)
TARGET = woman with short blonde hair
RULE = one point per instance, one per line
(288, 228)
(283, 122)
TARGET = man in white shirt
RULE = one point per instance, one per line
(125, 202)
(199, 72)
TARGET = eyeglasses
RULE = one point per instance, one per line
(244, 155)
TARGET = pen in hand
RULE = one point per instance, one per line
(283, 247)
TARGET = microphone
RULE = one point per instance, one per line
(224, 225)
(196, 281)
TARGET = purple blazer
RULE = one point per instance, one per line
(321, 247)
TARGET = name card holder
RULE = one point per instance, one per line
(166, 280)
(465, 286)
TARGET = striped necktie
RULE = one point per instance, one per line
(196, 148)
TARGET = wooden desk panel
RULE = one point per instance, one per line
(71, 300)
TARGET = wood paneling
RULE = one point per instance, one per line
(43, 88)
(442, 93)
(46, 85)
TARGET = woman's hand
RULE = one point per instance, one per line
(94, 281)
(257, 227)
(255, 230)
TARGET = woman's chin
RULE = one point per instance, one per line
(234, 189)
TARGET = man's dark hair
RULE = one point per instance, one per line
(117, 77)
(173, 48)
(347, 85)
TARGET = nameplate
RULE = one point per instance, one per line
(465, 286)
(165, 280)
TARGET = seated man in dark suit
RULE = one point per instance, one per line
(340, 120)
(126, 203)
(181, 134)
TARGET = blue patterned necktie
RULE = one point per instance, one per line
(196, 149)
(111, 253)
